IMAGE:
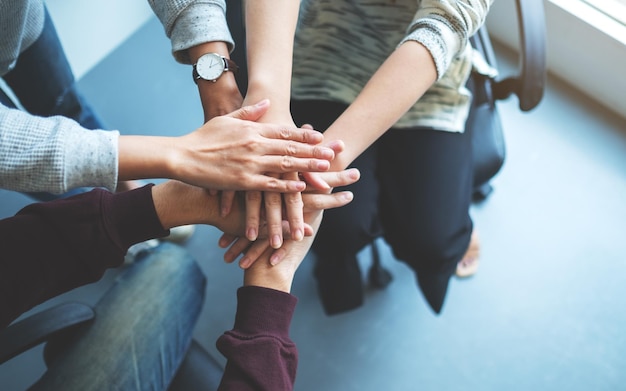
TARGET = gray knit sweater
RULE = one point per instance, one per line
(56, 154)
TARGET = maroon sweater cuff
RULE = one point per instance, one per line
(264, 311)
(130, 217)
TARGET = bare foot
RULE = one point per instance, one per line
(468, 265)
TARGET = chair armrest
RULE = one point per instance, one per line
(35, 329)
(530, 83)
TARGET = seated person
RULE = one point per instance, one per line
(144, 322)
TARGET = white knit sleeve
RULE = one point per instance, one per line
(444, 27)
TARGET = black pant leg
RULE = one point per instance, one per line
(426, 184)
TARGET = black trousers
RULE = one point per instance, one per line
(415, 191)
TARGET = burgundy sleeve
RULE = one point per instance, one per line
(49, 248)
(260, 354)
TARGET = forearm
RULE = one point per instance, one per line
(270, 29)
(54, 154)
(177, 203)
(260, 353)
(52, 247)
(143, 157)
(401, 80)
(222, 96)
(190, 23)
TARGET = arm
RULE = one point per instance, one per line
(440, 31)
(56, 154)
(196, 28)
(396, 87)
(79, 237)
(270, 28)
(211, 157)
(260, 353)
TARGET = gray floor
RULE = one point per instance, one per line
(544, 311)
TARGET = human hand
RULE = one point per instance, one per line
(313, 201)
(212, 157)
(178, 203)
(280, 277)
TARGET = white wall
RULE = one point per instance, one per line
(91, 29)
(590, 56)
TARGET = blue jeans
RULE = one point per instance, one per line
(142, 329)
(44, 84)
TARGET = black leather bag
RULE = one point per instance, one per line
(484, 125)
(528, 85)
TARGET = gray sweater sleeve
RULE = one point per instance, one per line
(191, 22)
(54, 154)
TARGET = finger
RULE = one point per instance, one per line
(302, 135)
(266, 183)
(238, 247)
(331, 178)
(316, 181)
(226, 202)
(251, 113)
(277, 256)
(225, 240)
(273, 216)
(253, 214)
(336, 145)
(255, 251)
(294, 211)
(281, 148)
(314, 202)
(338, 178)
(281, 162)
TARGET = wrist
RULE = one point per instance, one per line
(279, 277)
(141, 157)
(219, 98)
(177, 204)
(260, 89)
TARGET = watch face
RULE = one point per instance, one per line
(210, 66)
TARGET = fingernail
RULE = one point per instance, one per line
(298, 235)
(251, 235)
(276, 241)
(328, 153)
(244, 263)
(323, 165)
(263, 103)
(348, 196)
(274, 260)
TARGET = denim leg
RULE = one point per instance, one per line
(43, 81)
(142, 329)
(44, 84)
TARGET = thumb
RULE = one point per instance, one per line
(251, 113)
